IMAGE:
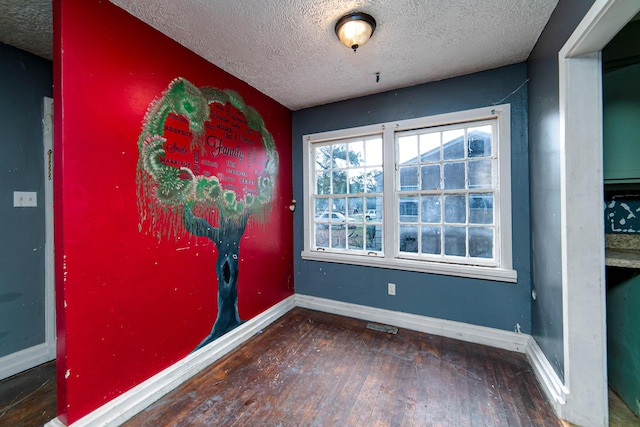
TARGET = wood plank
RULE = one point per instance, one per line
(29, 398)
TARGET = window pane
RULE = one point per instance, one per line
(408, 178)
(454, 175)
(479, 141)
(430, 211)
(323, 157)
(430, 177)
(337, 218)
(480, 174)
(374, 238)
(409, 238)
(408, 209)
(430, 147)
(481, 208)
(356, 181)
(355, 239)
(321, 205)
(453, 144)
(338, 239)
(408, 149)
(356, 153)
(354, 208)
(374, 152)
(339, 154)
(481, 242)
(323, 182)
(374, 179)
(322, 235)
(339, 182)
(374, 209)
(455, 209)
(338, 206)
(455, 241)
(431, 240)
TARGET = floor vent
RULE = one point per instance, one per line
(382, 328)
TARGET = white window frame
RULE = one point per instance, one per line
(389, 257)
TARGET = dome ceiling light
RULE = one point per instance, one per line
(355, 29)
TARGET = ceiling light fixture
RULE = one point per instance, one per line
(355, 29)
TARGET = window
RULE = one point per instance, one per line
(446, 191)
(347, 196)
(429, 194)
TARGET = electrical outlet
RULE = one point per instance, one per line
(24, 199)
(391, 288)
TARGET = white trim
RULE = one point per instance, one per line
(446, 328)
(601, 23)
(459, 270)
(551, 384)
(582, 242)
(22, 360)
(49, 276)
(128, 404)
(503, 131)
(55, 423)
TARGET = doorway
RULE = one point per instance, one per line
(583, 253)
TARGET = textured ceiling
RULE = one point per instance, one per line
(26, 24)
(288, 50)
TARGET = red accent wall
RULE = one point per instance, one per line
(129, 305)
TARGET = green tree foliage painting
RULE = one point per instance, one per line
(207, 164)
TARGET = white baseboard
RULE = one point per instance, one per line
(551, 384)
(128, 404)
(26, 359)
(447, 328)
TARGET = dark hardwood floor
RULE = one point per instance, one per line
(29, 399)
(310, 368)
(316, 369)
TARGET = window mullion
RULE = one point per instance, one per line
(390, 196)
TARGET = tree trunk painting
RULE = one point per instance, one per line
(207, 165)
(227, 240)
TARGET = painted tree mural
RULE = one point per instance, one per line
(207, 164)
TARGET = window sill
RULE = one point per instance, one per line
(470, 271)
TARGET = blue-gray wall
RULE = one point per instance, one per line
(479, 302)
(24, 80)
(544, 162)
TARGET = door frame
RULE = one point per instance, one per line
(582, 207)
(49, 266)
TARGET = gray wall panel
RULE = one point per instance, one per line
(544, 159)
(25, 80)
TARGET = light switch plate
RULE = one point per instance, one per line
(25, 199)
